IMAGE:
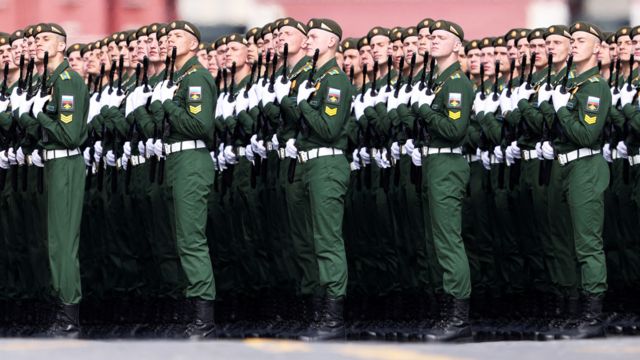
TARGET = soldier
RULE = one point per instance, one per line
(64, 124)
(75, 58)
(445, 173)
(202, 55)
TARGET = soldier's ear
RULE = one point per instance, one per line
(597, 47)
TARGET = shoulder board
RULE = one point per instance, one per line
(572, 74)
(65, 75)
(455, 75)
(307, 67)
(333, 71)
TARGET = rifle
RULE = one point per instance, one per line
(412, 67)
(285, 57)
(617, 88)
(510, 82)
(424, 70)
(266, 67)
(531, 66)
(114, 173)
(272, 80)
(399, 82)
(309, 84)
(625, 126)
(133, 138)
(351, 75)
(30, 69)
(432, 66)
(599, 65)
(631, 61)
(482, 95)
(233, 81)
(43, 132)
(389, 63)
(523, 68)
(496, 96)
(5, 73)
(103, 131)
(611, 65)
(545, 165)
(364, 80)
(374, 86)
(165, 124)
(20, 79)
(92, 135)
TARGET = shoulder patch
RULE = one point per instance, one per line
(195, 93)
(593, 103)
(66, 103)
(333, 96)
(455, 100)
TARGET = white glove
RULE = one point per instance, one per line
(87, 156)
(515, 97)
(97, 151)
(128, 104)
(516, 153)
(126, 148)
(4, 105)
(281, 90)
(158, 148)
(377, 156)
(125, 161)
(408, 145)
(257, 146)
(38, 104)
(384, 159)
(20, 158)
(227, 107)
(141, 149)
(254, 100)
(606, 152)
(290, 150)
(230, 156)
(248, 153)
(505, 102)
(383, 95)
(547, 151)
(365, 156)
(361, 103)
(490, 105)
(148, 148)
(94, 108)
(539, 151)
(25, 107)
(478, 103)
(242, 102)
(416, 157)
(222, 162)
(395, 150)
(508, 155)
(142, 98)
(486, 160)
(156, 95)
(626, 96)
(525, 91)
(4, 161)
(560, 99)
(214, 159)
(415, 94)
(274, 142)
(11, 155)
(36, 159)
(105, 97)
(370, 99)
(303, 92)
(544, 94)
(110, 158)
(268, 97)
(17, 100)
(622, 150)
(167, 92)
(355, 163)
(115, 99)
(426, 99)
(393, 102)
(497, 151)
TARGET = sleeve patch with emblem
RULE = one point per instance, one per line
(455, 115)
(333, 96)
(195, 109)
(66, 103)
(593, 103)
(455, 100)
(66, 118)
(331, 111)
(195, 93)
(590, 119)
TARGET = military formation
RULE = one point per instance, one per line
(452, 188)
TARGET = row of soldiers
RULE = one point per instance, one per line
(439, 165)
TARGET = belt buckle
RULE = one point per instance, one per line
(303, 156)
(563, 159)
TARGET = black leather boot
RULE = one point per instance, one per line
(66, 323)
(203, 325)
(589, 324)
(331, 322)
(455, 325)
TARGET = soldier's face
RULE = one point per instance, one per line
(397, 51)
(475, 61)
(162, 47)
(584, 46)
(443, 43)
(113, 51)
(558, 46)
(202, 58)
(213, 63)
(321, 40)
(540, 48)
(133, 56)
(6, 57)
(183, 41)
(154, 51)
(502, 56)
(93, 63)
(293, 37)
(31, 47)
(252, 54)
(523, 48)
(106, 59)
(48, 42)
(267, 44)
(410, 47)
(221, 52)
(352, 60)
(423, 41)
(366, 58)
(16, 49)
(512, 50)
(142, 48)
(236, 52)
(613, 52)
(488, 61)
(76, 62)
(380, 48)
(124, 51)
(636, 48)
(462, 58)
(625, 46)
(604, 56)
